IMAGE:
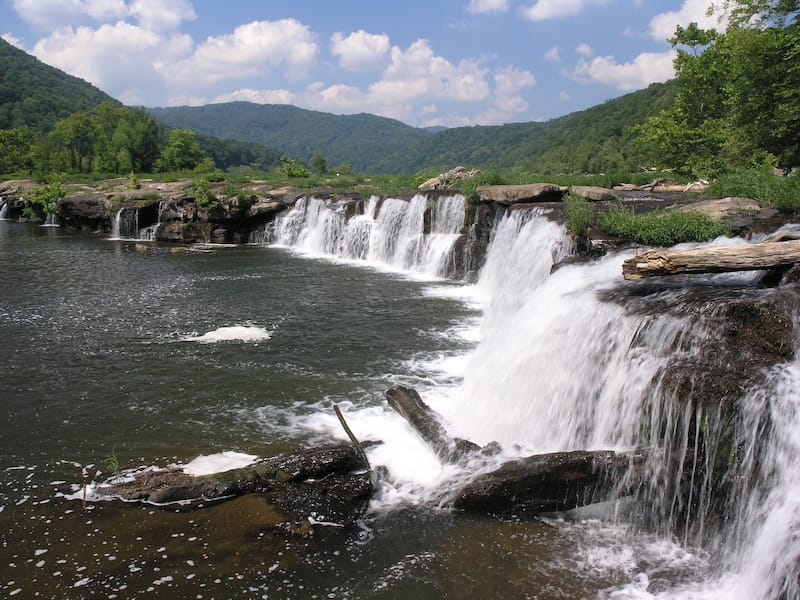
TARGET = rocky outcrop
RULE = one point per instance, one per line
(595, 194)
(511, 194)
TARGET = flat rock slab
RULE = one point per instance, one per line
(728, 208)
(511, 194)
(595, 194)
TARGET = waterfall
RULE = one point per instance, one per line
(51, 220)
(416, 235)
(3, 209)
(125, 225)
(561, 366)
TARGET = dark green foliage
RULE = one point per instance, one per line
(228, 153)
(662, 228)
(204, 196)
(352, 139)
(17, 150)
(36, 96)
(739, 99)
(596, 140)
(782, 193)
(182, 152)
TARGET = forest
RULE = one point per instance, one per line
(734, 105)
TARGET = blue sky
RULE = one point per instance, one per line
(442, 62)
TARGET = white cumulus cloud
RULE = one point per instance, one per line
(584, 50)
(553, 55)
(259, 96)
(360, 51)
(478, 7)
(545, 10)
(662, 26)
(157, 15)
(647, 68)
(252, 50)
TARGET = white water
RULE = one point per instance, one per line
(389, 233)
(556, 367)
(236, 333)
(125, 225)
(51, 221)
(3, 209)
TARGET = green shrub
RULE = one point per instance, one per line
(764, 186)
(662, 228)
(47, 198)
(294, 167)
(204, 197)
(580, 215)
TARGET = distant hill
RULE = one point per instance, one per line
(590, 141)
(357, 140)
(37, 96)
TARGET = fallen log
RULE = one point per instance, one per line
(527, 486)
(328, 482)
(549, 482)
(409, 405)
(713, 259)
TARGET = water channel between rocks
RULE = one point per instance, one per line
(145, 354)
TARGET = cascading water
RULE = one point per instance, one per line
(51, 220)
(3, 209)
(416, 235)
(559, 367)
(125, 225)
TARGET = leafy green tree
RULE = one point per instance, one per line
(294, 167)
(77, 136)
(182, 152)
(739, 100)
(16, 150)
(319, 164)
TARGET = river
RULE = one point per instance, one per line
(132, 353)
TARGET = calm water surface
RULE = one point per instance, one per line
(94, 364)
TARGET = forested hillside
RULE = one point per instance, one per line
(591, 141)
(36, 96)
(594, 140)
(357, 140)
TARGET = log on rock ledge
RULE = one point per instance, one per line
(712, 259)
(551, 482)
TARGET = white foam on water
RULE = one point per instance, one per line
(217, 463)
(236, 333)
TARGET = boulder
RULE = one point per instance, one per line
(85, 206)
(511, 194)
(595, 194)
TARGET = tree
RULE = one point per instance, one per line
(182, 152)
(739, 100)
(16, 150)
(319, 164)
(77, 136)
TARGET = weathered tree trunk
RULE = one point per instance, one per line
(407, 402)
(548, 482)
(717, 259)
(330, 482)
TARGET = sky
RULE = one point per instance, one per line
(424, 62)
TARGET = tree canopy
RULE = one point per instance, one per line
(738, 104)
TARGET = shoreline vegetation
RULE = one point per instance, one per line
(655, 225)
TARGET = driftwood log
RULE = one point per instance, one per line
(713, 259)
(409, 405)
(535, 484)
(329, 482)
